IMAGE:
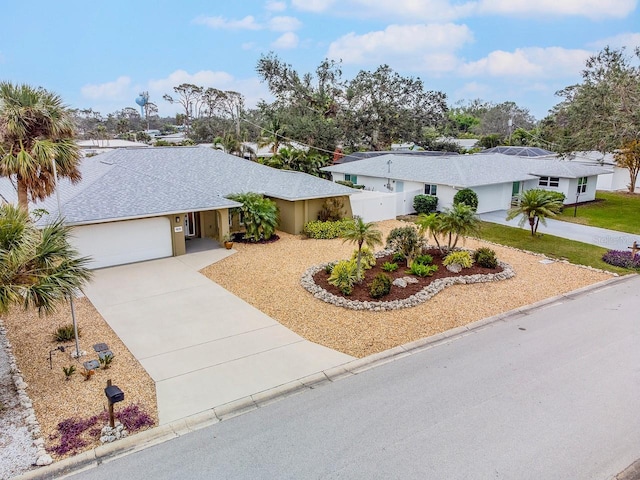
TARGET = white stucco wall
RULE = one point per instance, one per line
(494, 197)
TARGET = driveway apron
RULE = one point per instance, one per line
(601, 237)
(203, 346)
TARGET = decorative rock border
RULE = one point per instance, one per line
(42, 457)
(422, 296)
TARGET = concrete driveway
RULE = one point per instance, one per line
(203, 346)
(609, 239)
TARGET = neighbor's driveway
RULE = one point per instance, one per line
(609, 239)
(202, 345)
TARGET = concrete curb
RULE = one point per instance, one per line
(632, 472)
(163, 433)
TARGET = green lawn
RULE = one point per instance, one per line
(615, 210)
(553, 247)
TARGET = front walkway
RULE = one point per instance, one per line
(609, 239)
(203, 346)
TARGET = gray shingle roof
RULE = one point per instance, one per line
(158, 181)
(463, 170)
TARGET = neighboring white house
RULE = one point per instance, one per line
(617, 178)
(96, 146)
(495, 178)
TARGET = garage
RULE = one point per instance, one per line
(116, 243)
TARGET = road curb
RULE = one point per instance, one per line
(632, 472)
(163, 433)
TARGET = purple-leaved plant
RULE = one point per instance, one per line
(620, 258)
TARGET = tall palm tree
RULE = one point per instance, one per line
(535, 206)
(361, 233)
(459, 220)
(36, 129)
(38, 267)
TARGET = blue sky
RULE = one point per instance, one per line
(102, 54)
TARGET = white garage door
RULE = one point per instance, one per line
(117, 243)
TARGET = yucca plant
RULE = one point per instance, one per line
(69, 371)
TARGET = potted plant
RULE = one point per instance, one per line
(227, 239)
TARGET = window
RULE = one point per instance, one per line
(351, 178)
(430, 189)
(582, 185)
(549, 181)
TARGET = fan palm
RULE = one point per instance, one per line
(259, 215)
(361, 233)
(535, 206)
(459, 220)
(38, 267)
(36, 129)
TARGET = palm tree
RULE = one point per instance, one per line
(38, 267)
(536, 206)
(273, 135)
(430, 225)
(459, 220)
(36, 129)
(361, 233)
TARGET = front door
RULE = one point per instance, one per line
(192, 224)
(515, 193)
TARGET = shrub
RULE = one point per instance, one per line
(459, 257)
(399, 257)
(620, 258)
(467, 197)
(425, 203)
(344, 276)
(380, 286)
(389, 267)
(367, 258)
(325, 230)
(404, 240)
(328, 268)
(65, 333)
(332, 210)
(422, 270)
(485, 257)
(424, 259)
(68, 371)
(105, 361)
(259, 215)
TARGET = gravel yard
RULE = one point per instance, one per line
(55, 399)
(268, 277)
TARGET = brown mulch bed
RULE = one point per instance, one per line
(361, 290)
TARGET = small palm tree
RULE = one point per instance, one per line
(535, 206)
(459, 220)
(361, 233)
(38, 268)
(430, 225)
(36, 129)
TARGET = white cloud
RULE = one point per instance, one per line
(552, 62)
(313, 5)
(286, 41)
(587, 8)
(402, 44)
(109, 91)
(246, 23)
(284, 24)
(275, 6)
(629, 40)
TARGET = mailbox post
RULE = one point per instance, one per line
(114, 395)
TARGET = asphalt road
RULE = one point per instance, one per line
(554, 394)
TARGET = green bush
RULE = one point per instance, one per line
(332, 210)
(328, 268)
(404, 240)
(325, 230)
(558, 196)
(389, 267)
(467, 197)
(424, 259)
(259, 215)
(65, 333)
(344, 276)
(459, 257)
(367, 258)
(422, 270)
(380, 286)
(425, 203)
(485, 257)
(399, 257)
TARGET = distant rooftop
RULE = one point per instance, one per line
(520, 151)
